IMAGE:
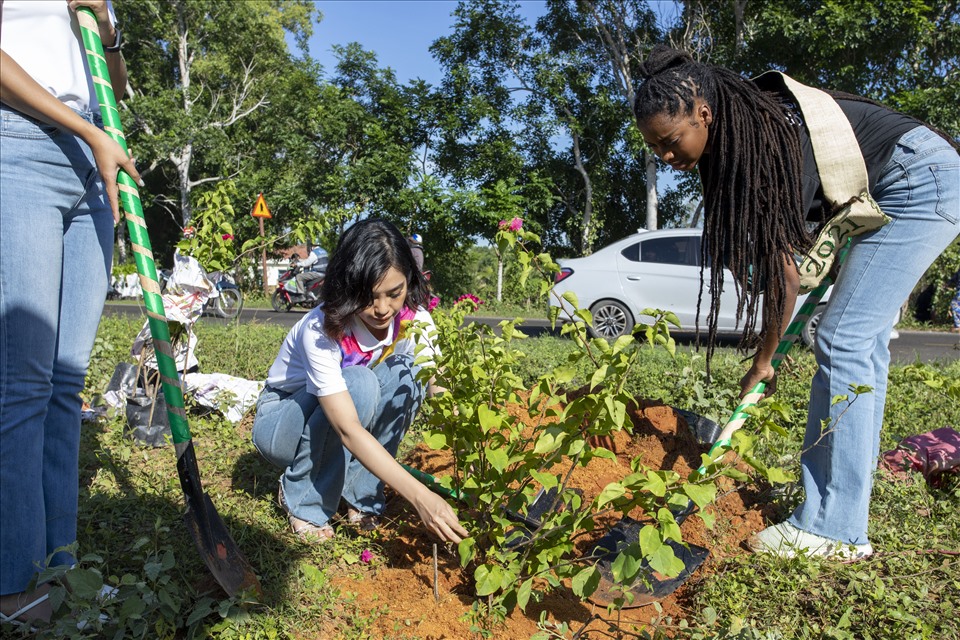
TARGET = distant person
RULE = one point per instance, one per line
(751, 145)
(416, 246)
(345, 377)
(58, 207)
(313, 268)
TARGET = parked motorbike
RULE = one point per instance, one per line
(230, 301)
(227, 304)
(288, 294)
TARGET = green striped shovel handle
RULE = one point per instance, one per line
(137, 228)
(756, 393)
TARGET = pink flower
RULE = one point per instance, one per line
(434, 301)
(502, 224)
(227, 236)
(516, 224)
(366, 556)
(469, 296)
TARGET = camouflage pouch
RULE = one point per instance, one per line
(843, 178)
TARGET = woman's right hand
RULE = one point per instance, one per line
(439, 517)
(110, 158)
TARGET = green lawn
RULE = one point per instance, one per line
(131, 534)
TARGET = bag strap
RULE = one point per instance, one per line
(843, 173)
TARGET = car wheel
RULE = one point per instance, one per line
(809, 332)
(611, 319)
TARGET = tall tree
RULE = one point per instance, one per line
(198, 69)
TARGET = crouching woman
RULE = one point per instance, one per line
(345, 378)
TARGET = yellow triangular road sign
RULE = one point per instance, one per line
(260, 209)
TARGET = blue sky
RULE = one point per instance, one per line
(400, 32)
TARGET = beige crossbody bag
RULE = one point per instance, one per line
(843, 177)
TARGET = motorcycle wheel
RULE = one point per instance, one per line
(280, 304)
(229, 303)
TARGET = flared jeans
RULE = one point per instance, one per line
(920, 190)
(293, 433)
(56, 248)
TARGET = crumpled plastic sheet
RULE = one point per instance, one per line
(230, 395)
(188, 290)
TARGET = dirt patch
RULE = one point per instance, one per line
(402, 578)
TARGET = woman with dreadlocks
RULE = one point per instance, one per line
(761, 186)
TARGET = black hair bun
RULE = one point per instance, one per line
(662, 58)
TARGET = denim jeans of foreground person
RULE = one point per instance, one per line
(292, 432)
(920, 190)
(56, 247)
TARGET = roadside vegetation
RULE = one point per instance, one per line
(131, 534)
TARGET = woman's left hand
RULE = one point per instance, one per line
(110, 158)
(99, 8)
(759, 373)
(439, 517)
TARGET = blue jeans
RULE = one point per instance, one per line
(56, 247)
(920, 190)
(292, 432)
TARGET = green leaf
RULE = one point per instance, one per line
(133, 607)
(488, 579)
(466, 549)
(548, 480)
(611, 492)
(84, 583)
(701, 494)
(654, 484)
(523, 594)
(497, 457)
(650, 540)
(436, 440)
(665, 561)
(626, 565)
(489, 419)
(586, 582)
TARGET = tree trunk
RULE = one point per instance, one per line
(499, 278)
(650, 160)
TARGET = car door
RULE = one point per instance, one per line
(662, 273)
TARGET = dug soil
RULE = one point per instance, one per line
(396, 590)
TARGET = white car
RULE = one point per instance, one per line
(651, 270)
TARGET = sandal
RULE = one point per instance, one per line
(17, 617)
(363, 521)
(305, 529)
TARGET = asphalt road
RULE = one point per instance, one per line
(926, 346)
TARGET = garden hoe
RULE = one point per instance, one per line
(627, 531)
(209, 533)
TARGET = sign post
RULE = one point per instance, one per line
(261, 211)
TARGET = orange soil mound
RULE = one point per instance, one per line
(401, 579)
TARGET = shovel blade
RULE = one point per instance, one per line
(219, 552)
(622, 535)
(705, 430)
(210, 535)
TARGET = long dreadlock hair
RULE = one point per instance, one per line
(751, 178)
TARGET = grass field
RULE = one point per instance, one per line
(131, 534)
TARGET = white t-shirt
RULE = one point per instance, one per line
(310, 358)
(43, 36)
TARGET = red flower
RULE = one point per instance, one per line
(516, 224)
(227, 236)
(434, 301)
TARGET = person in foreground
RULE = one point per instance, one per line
(58, 179)
(345, 377)
(761, 186)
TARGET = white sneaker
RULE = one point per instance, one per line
(787, 541)
(894, 334)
